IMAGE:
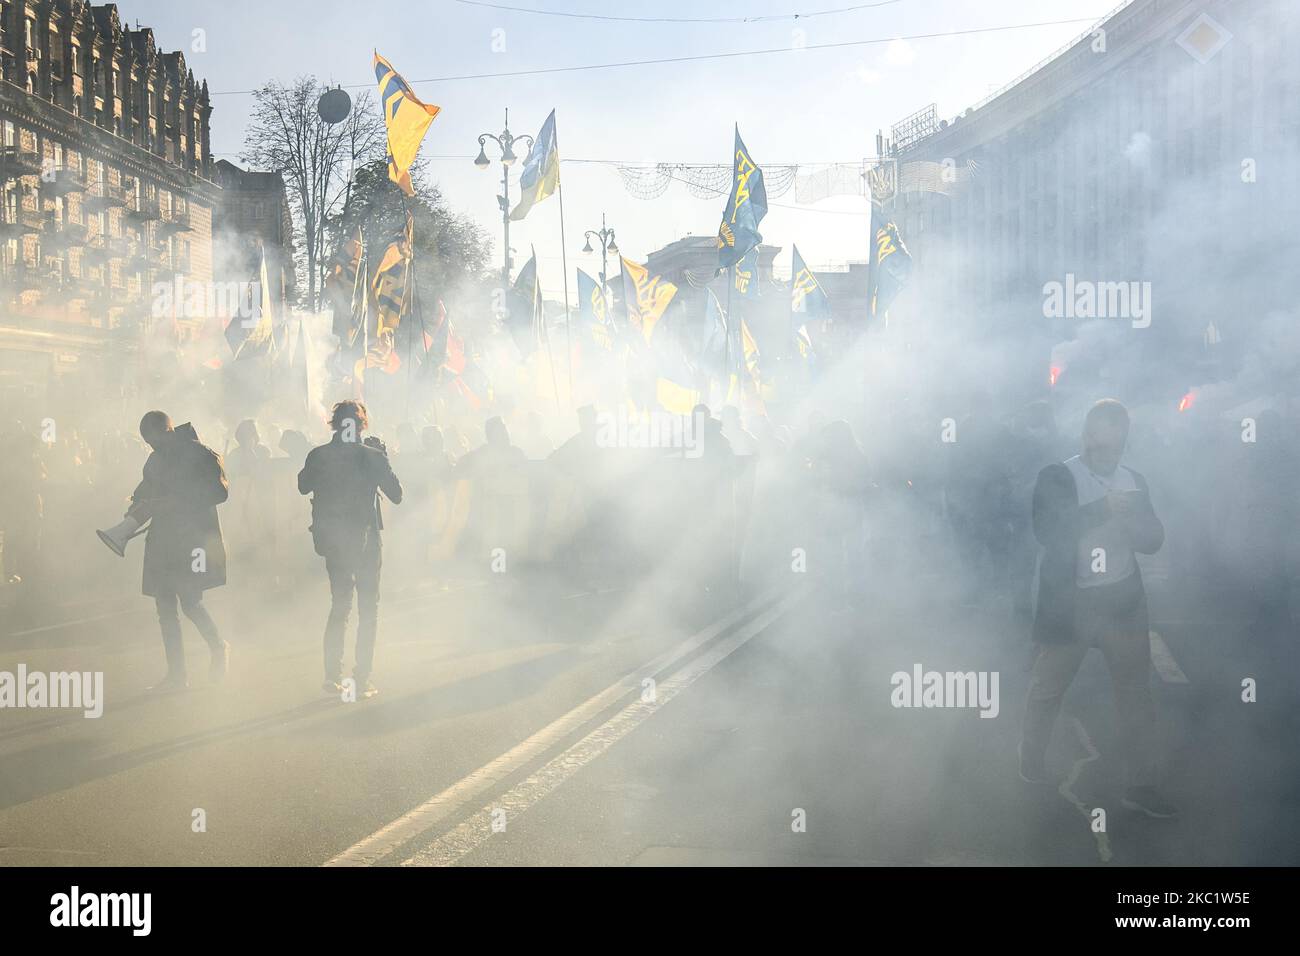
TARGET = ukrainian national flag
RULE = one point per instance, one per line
(746, 207)
(407, 120)
(541, 174)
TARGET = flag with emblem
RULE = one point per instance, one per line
(407, 120)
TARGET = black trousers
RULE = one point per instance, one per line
(191, 602)
(353, 571)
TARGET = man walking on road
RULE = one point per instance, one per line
(344, 478)
(1091, 515)
(184, 554)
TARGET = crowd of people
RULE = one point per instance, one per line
(751, 500)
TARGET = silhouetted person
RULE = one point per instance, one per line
(184, 554)
(1091, 515)
(344, 478)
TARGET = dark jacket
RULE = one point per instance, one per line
(183, 483)
(1059, 522)
(344, 479)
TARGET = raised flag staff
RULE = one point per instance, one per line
(541, 177)
(738, 234)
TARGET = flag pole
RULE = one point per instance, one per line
(564, 263)
(731, 284)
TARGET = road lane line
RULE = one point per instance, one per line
(1066, 787)
(1163, 659)
(461, 840)
(383, 841)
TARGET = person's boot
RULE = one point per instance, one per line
(220, 665)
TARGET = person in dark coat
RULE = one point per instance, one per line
(344, 478)
(184, 554)
(1092, 516)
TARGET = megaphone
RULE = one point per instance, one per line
(117, 536)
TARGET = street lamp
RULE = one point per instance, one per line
(505, 141)
(607, 245)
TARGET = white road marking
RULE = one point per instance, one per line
(451, 800)
(1163, 659)
(1065, 789)
(452, 846)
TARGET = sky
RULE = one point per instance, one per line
(804, 106)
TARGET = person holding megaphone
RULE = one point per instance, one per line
(184, 554)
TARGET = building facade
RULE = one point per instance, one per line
(1159, 148)
(106, 174)
(254, 216)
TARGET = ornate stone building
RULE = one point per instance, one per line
(107, 193)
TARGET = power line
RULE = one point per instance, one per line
(755, 19)
(710, 56)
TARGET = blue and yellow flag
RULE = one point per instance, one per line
(407, 120)
(806, 294)
(253, 334)
(541, 173)
(593, 311)
(525, 315)
(746, 207)
(745, 276)
(891, 263)
(644, 297)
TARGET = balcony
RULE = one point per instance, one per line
(66, 288)
(24, 278)
(103, 249)
(63, 235)
(103, 196)
(144, 257)
(65, 181)
(143, 210)
(16, 162)
(177, 222)
(23, 222)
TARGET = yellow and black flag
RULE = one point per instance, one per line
(391, 286)
(541, 173)
(407, 120)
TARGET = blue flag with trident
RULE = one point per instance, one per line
(746, 207)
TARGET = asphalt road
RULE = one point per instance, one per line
(529, 722)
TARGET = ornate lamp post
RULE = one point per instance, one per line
(607, 245)
(505, 141)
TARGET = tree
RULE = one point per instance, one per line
(451, 251)
(317, 160)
